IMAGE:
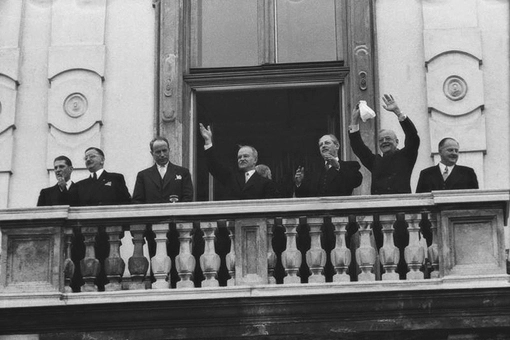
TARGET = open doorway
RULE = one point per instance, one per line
(283, 124)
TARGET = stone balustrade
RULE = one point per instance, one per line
(455, 235)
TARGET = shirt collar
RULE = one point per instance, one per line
(443, 166)
(98, 173)
(249, 173)
(162, 166)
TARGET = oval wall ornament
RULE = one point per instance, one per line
(75, 105)
(455, 88)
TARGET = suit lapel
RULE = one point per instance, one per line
(155, 176)
(252, 181)
(169, 175)
(453, 178)
(438, 176)
(239, 178)
(332, 174)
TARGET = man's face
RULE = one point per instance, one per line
(93, 160)
(62, 170)
(246, 160)
(160, 152)
(449, 152)
(387, 141)
(327, 146)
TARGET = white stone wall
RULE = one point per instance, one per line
(55, 56)
(423, 44)
(86, 78)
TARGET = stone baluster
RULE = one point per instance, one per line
(89, 265)
(147, 280)
(138, 263)
(291, 256)
(114, 265)
(161, 262)
(340, 255)
(316, 256)
(389, 254)
(185, 261)
(230, 258)
(365, 254)
(414, 253)
(433, 249)
(68, 263)
(209, 261)
(126, 251)
(271, 255)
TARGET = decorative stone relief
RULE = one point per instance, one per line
(75, 102)
(75, 105)
(169, 87)
(9, 63)
(363, 57)
(455, 90)
(76, 67)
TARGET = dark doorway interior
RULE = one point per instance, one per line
(284, 125)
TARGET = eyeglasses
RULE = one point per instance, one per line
(87, 157)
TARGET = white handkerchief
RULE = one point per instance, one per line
(365, 111)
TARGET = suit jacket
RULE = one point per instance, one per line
(54, 196)
(391, 174)
(332, 182)
(461, 177)
(150, 188)
(109, 189)
(233, 180)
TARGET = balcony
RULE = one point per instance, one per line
(425, 266)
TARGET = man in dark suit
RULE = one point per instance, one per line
(243, 183)
(102, 187)
(337, 177)
(391, 172)
(163, 182)
(65, 192)
(447, 175)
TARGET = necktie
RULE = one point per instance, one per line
(246, 177)
(94, 176)
(445, 174)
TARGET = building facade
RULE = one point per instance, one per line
(276, 74)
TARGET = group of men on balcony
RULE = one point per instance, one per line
(166, 182)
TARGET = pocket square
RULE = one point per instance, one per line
(108, 184)
(178, 177)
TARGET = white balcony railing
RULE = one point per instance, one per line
(55, 254)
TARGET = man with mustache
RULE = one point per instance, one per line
(447, 175)
(102, 187)
(243, 183)
(337, 177)
(65, 192)
(391, 171)
(163, 182)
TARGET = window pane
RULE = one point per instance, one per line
(227, 33)
(305, 30)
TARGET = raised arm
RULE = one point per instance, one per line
(365, 155)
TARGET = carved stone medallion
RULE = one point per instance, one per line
(75, 105)
(455, 88)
